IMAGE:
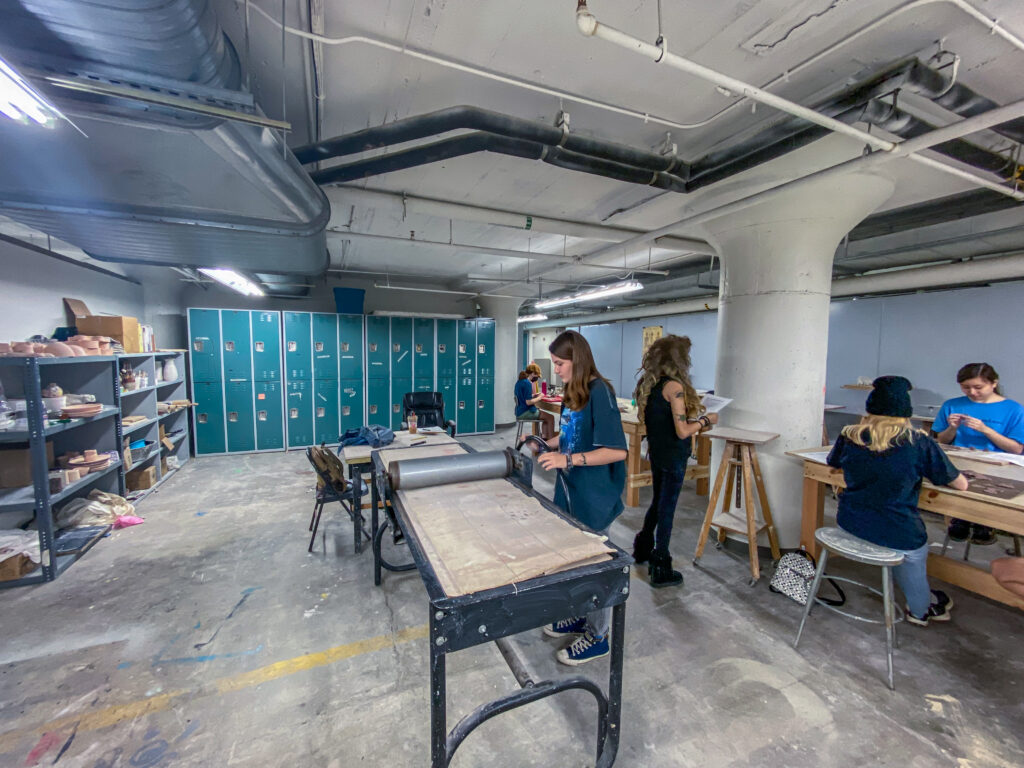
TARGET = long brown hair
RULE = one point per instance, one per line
(879, 433)
(979, 371)
(667, 358)
(569, 345)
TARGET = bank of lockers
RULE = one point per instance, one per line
(378, 347)
(269, 405)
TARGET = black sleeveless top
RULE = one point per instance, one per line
(666, 450)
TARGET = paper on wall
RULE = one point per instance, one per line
(714, 403)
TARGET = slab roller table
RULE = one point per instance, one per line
(498, 559)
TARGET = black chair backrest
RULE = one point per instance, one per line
(428, 407)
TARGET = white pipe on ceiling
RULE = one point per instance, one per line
(961, 274)
(591, 27)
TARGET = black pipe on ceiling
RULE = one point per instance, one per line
(484, 120)
(945, 209)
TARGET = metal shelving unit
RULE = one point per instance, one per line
(24, 378)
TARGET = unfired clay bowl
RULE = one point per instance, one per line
(58, 349)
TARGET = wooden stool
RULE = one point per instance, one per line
(740, 456)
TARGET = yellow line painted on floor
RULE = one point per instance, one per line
(118, 713)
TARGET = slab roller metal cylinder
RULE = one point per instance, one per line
(409, 474)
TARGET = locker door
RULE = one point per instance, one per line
(467, 349)
(398, 389)
(351, 404)
(350, 342)
(269, 416)
(378, 402)
(423, 385)
(378, 357)
(465, 409)
(485, 404)
(325, 347)
(423, 350)
(204, 344)
(298, 349)
(485, 347)
(325, 411)
(401, 347)
(209, 417)
(236, 343)
(447, 361)
(238, 414)
(266, 346)
(299, 413)
(447, 389)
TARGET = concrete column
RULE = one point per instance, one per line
(773, 322)
(506, 363)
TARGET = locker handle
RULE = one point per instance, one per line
(237, 379)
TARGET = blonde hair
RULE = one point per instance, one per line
(667, 358)
(879, 433)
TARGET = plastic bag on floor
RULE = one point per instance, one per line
(79, 512)
(118, 504)
(123, 521)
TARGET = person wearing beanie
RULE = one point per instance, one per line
(884, 459)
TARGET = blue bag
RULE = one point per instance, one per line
(373, 435)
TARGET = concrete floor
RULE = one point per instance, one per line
(209, 637)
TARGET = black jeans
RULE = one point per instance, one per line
(658, 520)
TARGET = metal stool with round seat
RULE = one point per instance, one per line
(838, 542)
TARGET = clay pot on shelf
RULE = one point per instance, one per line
(23, 348)
(77, 350)
(170, 370)
(5, 347)
(91, 454)
(58, 349)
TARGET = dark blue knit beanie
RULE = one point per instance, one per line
(890, 397)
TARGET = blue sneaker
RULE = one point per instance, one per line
(566, 628)
(584, 649)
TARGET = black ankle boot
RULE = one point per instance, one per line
(661, 573)
(643, 545)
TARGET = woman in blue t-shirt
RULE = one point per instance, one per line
(883, 461)
(591, 452)
(984, 420)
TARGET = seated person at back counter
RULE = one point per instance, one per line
(526, 401)
(984, 420)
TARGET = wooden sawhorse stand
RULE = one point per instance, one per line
(740, 456)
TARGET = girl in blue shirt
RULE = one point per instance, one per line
(592, 453)
(983, 420)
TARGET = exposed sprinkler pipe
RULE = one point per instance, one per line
(591, 27)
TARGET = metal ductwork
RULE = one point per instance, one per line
(177, 167)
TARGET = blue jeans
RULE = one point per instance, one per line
(912, 579)
(658, 520)
(530, 414)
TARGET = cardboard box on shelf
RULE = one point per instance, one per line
(141, 479)
(120, 327)
(16, 466)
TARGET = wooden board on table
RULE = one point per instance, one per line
(420, 452)
(488, 534)
(741, 435)
(361, 453)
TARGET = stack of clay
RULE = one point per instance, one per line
(76, 346)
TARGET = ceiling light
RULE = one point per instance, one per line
(626, 286)
(233, 280)
(19, 101)
(531, 318)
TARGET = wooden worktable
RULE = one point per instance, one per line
(360, 454)
(638, 469)
(1002, 514)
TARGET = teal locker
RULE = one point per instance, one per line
(209, 417)
(423, 385)
(423, 349)
(465, 407)
(325, 411)
(236, 342)
(298, 346)
(350, 347)
(485, 348)
(299, 413)
(204, 344)
(378, 338)
(447, 360)
(485, 404)
(239, 416)
(401, 347)
(266, 346)
(398, 389)
(269, 416)
(447, 389)
(325, 347)
(351, 404)
(467, 349)
(378, 402)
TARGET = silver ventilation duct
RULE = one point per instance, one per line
(177, 166)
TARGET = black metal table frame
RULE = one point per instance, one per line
(492, 615)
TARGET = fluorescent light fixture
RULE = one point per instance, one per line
(531, 318)
(626, 286)
(233, 280)
(19, 101)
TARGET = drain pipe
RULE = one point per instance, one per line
(660, 54)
